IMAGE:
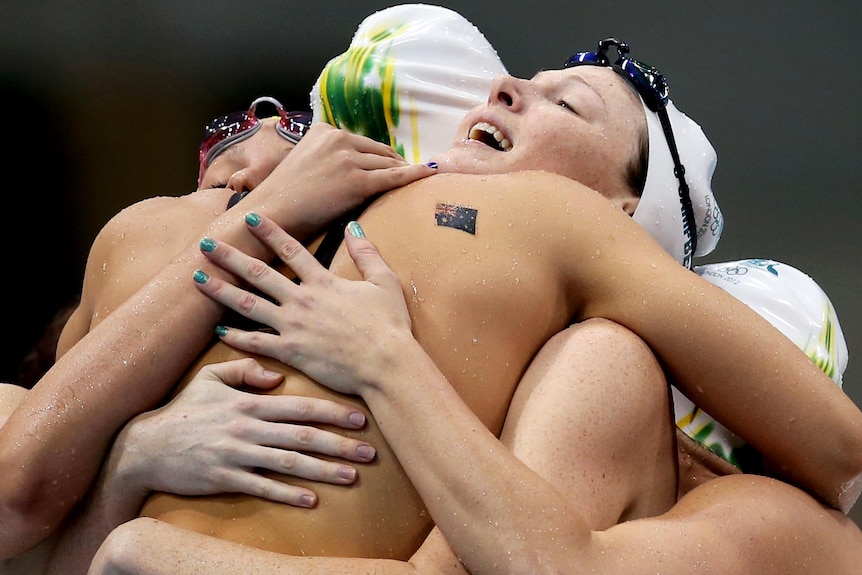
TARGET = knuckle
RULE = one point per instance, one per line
(243, 405)
(305, 300)
(256, 268)
(238, 428)
(347, 448)
(262, 490)
(304, 435)
(289, 250)
(217, 476)
(304, 409)
(255, 341)
(288, 460)
(247, 301)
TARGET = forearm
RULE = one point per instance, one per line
(496, 513)
(762, 387)
(149, 547)
(53, 444)
(116, 498)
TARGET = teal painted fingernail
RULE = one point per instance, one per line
(355, 230)
(221, 330)
(208, 244)
(200, 277)
(252, 219)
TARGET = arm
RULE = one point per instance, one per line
(212, 439)
(722, 354)
(555, 446)
(467, 493)
(480, 483)
(53, 444)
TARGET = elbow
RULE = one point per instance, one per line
(26, 518)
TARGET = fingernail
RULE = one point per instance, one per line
(357, 418)
(307, 500)
(252, 219)
(347, 473)
(200, 277)
(366, 452)
(355, 230)
(221, 330)
(208, 244)
(432, 165)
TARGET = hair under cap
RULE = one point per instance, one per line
(660, 210)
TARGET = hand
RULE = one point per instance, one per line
(329, 173)
(210, 438)
(340, 332)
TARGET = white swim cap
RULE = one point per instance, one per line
(793, 303)
(667, 210)
(660, 210)
(410, 74)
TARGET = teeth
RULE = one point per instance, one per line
(481, 128)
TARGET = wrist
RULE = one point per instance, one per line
(124, 478)
(402, 366)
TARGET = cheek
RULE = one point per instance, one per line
(591, 164)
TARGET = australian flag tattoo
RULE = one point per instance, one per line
(455, 216)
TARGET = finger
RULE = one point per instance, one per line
(368, 260)
(311, 440)
(241, 371)
(373, 161)
(249, 269)
(285, 462)
(365, 144)
(396, 177)
(244, 302)
(238, 481)
(276, 346)
(298, 408)
(300, 465)
(287, 248)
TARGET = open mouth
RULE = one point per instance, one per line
(490, 136)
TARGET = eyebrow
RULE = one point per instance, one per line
(578, 80)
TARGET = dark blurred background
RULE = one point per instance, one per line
(105, 103)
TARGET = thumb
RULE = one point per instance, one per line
(368, 260)
(246, 371)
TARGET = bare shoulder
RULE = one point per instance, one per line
(136, 243)
(540, 208)
(174, 213)
(781, 528)
(519, 185)
(733, 524)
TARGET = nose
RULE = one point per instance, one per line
(244, 180)
(509, 91)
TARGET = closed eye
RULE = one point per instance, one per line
(565, 105)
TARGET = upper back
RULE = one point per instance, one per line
(480, 263)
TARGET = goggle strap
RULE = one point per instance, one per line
(679, 172)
